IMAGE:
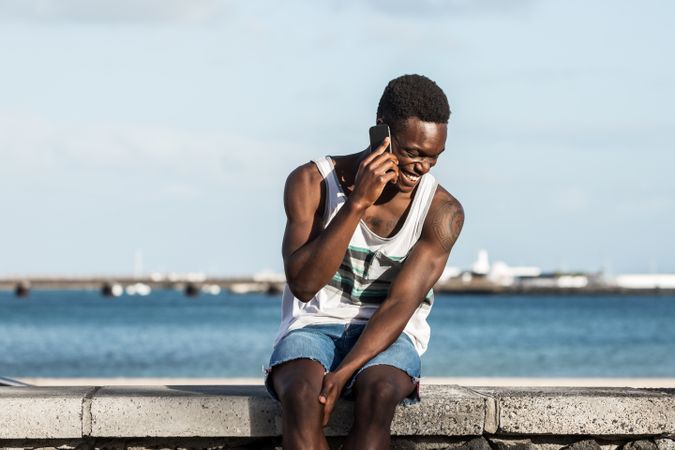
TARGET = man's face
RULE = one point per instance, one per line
(417, 145)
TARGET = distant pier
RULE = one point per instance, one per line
(116, 285)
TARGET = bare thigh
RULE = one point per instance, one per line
(299, 377)
(383, 382)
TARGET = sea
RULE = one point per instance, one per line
(166, 334)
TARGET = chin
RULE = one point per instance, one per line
(404, 187)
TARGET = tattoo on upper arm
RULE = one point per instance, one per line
(447, 223)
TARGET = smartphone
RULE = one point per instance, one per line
(377, 135)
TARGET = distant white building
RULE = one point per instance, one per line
(194, 277)
(646, 281)
(269, 276)
(498, 272)
(505, 275)
(450, 272)
(482, 264)
(572, 281)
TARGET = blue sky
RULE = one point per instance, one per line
(170, 126)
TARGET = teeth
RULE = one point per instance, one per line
(410, 177)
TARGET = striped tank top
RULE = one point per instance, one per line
(370, 264)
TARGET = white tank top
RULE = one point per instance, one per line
(370, 264)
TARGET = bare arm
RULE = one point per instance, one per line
(311, 254)
(421, 270)
(417, 277)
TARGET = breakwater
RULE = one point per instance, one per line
(116, 285)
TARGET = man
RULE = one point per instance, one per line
(366, 239)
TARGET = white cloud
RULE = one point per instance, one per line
(34, 145)
(182, 190)
(113, 11)
(431, 8)
(571, 200)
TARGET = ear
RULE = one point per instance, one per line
(379, 121)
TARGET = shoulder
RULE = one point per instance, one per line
(304, 191)
(304, 176)
(445, 202)
(444, 220)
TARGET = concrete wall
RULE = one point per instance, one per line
(449, 416)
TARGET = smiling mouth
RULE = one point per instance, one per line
(409, 178)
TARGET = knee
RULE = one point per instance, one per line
(375, 407)
(381, 395)
(299, 393)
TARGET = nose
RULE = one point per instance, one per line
(422, 166)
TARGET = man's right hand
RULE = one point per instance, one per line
(375, 171)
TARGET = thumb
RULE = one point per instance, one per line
(327, 411)
(323, 396)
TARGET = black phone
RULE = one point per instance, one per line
(377, 135)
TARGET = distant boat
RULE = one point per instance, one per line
(141, 289)
(212, 289)
(112, 290)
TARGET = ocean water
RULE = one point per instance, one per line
(81, 334)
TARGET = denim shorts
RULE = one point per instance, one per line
(328, 344)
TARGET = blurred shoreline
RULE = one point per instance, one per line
(462, 381)
(662, 285)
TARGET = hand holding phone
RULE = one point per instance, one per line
(377, 135)
(375, 170)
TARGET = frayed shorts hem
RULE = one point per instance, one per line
(328, 344)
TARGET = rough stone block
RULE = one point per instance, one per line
(587, 444)
(478, 443)
(426, 443)
(190, 411)
(665, 444)
(513, 444)
(445, 410)
(183, 411)
(641, 444)
(41, 412)
(583, 411)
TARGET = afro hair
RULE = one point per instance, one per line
(413, 96)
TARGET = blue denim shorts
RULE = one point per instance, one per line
(328, 344)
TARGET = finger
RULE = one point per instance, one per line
(325, 390)
(390, 177)
(327, 411)
(375, 153)
(328, 405)
(384, 158)
(386, 167)
(325, 415)
(323, 397)
(383, 147)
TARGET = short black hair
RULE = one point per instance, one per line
(413, 96)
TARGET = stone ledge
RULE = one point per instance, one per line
(247, 411)
(48, 413)
(583, 411)
(41, 413)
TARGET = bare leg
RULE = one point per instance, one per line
(378, 389)
(298, 384)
